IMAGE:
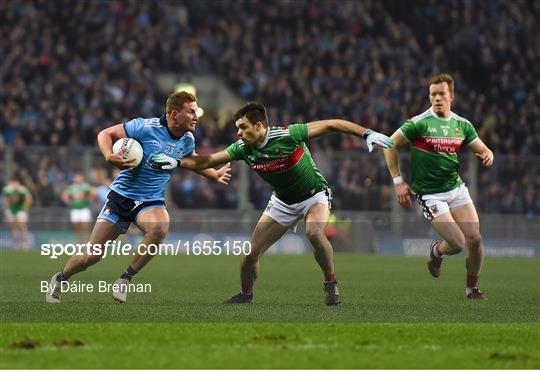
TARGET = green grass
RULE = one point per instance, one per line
(393, 315)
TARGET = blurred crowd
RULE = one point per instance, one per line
(71, 68)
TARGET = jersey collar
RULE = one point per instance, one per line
(163, 121)
(265, 138)
(438, 117)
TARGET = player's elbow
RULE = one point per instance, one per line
(331, 126)
(102, 135)
(106, 133)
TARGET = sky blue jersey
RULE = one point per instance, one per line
(146, 182)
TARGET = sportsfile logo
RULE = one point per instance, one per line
(117, 248)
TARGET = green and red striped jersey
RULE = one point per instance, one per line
(435, 143)
(284, 161)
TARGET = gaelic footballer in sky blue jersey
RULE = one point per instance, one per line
(137, 194)
(147, 181)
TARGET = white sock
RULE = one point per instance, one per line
(469, 290)
(435, 252)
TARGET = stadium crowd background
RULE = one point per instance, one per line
(70, 69)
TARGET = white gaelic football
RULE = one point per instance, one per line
(133, 149)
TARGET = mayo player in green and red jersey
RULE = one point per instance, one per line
(280, 156)
(435, 137)
(17, 200)
(79, 195)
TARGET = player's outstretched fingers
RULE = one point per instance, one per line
(224, 174)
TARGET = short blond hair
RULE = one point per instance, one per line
(176, 101)
(442, 78)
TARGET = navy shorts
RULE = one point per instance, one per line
(123, 211)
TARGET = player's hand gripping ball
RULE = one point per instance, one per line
(133, 149)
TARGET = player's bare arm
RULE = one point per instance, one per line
(221, 175)
(93, 195)
(403, 190)
(65, 198)
(482, 152)
(322, 127)
(200, 162)
(28, 201)
(106, 138)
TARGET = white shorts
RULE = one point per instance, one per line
(80, 215)
(434, 205)
(289, 214)
(20, 216)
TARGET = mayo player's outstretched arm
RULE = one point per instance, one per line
(322, 127)
(200, 162)
(221, 175)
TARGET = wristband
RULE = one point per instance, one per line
(397, 180)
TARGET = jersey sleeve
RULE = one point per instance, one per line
(134, 128)
(298, 132)
(409, 130)
(470, 133)
(188, 146)
(236, 150)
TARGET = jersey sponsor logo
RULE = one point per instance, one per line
(438, 144)
(281, 164)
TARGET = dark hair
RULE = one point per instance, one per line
(442, 78)
(176, 101)
(254, 112)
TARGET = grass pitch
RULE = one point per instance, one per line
(393, 315)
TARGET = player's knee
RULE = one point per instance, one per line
(157, 233)
(315, 236)
(474, 240)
